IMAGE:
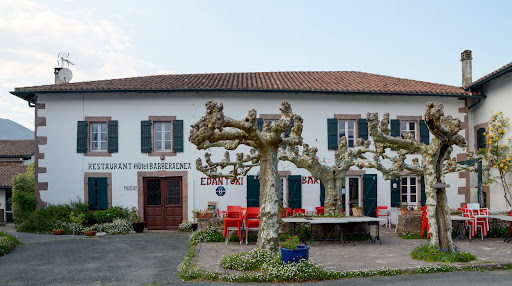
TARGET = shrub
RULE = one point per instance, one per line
(7, 243)
(290, 243)
(248, 260)
(210, 234)
(23, 197)
(117, 226)
(432, 253)
(185, 226)
(412, 235)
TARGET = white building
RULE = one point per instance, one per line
(124, 141)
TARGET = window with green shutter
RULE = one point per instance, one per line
(145, 136)
(480, 139)
(322, 195)
(424, 133)
(332, 134)
(177, 134)
(395, 127)
(423, 197)
(81, 138)
(112, 136)
(259, 124)
(362, 128)
(97, 188)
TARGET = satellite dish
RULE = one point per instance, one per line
(65, 75)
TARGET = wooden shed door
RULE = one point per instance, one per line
(163, 202)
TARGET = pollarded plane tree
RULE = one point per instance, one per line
(332, 177)
(215, 129)
(445, 130)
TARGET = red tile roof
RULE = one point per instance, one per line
(336, 81)
(7, 172)
(17, 148)
(504, 69)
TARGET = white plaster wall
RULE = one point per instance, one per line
(65, 167)
(499, 98)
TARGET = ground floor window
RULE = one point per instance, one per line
(409, 192)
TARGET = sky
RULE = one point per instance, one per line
(420, 40)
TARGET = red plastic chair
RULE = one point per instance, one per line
(510, 227)
(296, 211)
(482, 220)
(233, 221)
(381, 211)
(220, 213)
(320, 210)
(288, 211)
(424, 222)
(469, 223)
(251, 221)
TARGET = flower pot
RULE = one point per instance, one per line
(138, 227)
(206, 215)
(414, 212)
(58, 231)
(404, 211)
(295, 255)
(357, 212)
(194, 226)
(90, 232)
(282, 213)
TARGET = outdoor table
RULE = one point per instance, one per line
(336, 221)
(504, 218)
(463, 224)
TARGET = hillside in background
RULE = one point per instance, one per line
(10, 130)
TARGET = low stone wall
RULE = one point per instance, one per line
(409, 223)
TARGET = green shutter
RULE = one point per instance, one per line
(322, 195)
(332, 133)
(362, 128)
(81, 137)
(294, 192)
(253, 191)
(480, 139)
(112, 136)
(424, 133)
(369, 194)
(395, 127)
(395, 192)
(259, 123)
(423, 194)
(102, 193)
(145, 136)
(91, 188)
(287, 133)
(177, 135)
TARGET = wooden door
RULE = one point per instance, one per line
(369, 194)
(163, 203)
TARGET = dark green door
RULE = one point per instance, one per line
(253, 191)
(369, 194)
(294, 192)
(322, 195)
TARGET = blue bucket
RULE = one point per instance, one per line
(295, 255)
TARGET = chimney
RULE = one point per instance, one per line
(57, 79)
(465, 58)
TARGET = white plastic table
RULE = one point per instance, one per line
(503, 218)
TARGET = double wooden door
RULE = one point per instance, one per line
(163, 202)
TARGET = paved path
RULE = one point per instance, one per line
(365, 255)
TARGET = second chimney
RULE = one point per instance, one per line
(465, 58)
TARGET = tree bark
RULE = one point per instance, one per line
(268, 234)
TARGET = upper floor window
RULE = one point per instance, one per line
(347, 128)
(409, 186)
(98, 136)
(162, 133)
(407, 126)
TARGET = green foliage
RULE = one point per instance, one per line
(304, 230)
(185, 226)
(234, 237)
(210, 234)
(291, 243)
(43, 220)
(412, 235)
(248, 260)
(7, 243)
(23, 197)
(432, 253)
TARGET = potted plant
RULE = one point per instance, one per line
(413, 211)
(291, 252)
(282, 211)
(357, 211)
(58, 231)
(90, 232)
(203, 213)
(138, 225)
(403, 208)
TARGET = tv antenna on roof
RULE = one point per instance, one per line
(62, 74)
(63, 58)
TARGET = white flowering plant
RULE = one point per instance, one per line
(185, 226)
(7, 243)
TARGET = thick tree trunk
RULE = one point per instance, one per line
(331, 199)
(268, 235)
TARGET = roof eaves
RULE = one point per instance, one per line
(488, 78)
(26, 94)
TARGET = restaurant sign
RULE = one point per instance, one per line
(139, 166)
